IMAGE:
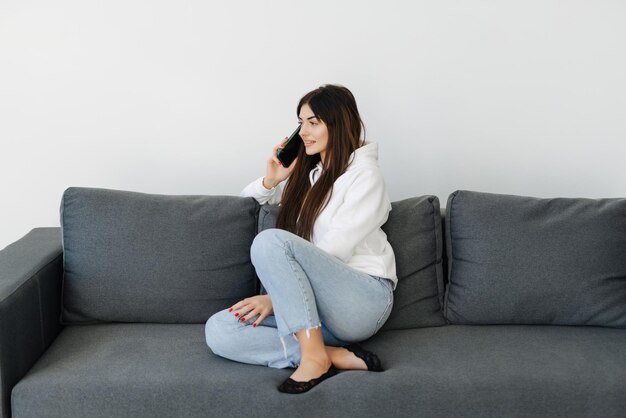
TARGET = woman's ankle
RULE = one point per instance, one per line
(323, 360)
(312, 345)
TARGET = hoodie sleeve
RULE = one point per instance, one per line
(365, 208)
(261, 194)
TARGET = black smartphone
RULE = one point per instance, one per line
(289, 152)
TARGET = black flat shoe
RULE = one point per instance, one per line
(371, 360)
(291, 386)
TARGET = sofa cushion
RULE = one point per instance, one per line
(414, 232)
(525, 260)
(137, 257)
(466, 371)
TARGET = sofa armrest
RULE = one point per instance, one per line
(31, 273)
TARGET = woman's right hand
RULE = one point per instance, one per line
(275, 172)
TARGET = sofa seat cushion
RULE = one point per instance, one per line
(457, 370)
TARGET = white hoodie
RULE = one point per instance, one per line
(349, 226)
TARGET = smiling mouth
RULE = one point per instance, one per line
(307, 143)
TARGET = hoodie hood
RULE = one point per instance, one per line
(366, 154)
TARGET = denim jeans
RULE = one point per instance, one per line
(309, 288)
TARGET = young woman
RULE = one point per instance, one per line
(328, 268)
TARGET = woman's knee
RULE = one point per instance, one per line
(265, 243)
(217, 331)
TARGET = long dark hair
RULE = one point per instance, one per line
(301, 204)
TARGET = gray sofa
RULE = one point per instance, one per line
(506, 306)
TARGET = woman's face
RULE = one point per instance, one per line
(313, 131)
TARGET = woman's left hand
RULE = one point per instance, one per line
(250, 307)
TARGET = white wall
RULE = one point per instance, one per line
(189, 97)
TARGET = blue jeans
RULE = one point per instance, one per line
(309, 288)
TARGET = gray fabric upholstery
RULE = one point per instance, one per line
(267, 217)
(137, 257)
(414, 231)
(167, 370)
(30, 292)
(513, 259)
(524, 260)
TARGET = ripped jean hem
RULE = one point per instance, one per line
(292, 332)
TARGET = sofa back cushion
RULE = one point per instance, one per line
(136, 257)
(415, 234)
(524, 260)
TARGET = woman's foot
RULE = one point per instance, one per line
(344, 359)
(315, 364)
(291, 386)
(311, 369)
(354, 357)
(306, 368)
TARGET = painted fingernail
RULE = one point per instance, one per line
(230, 310)
(243, 319)
(254, 325)
(237, 314)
